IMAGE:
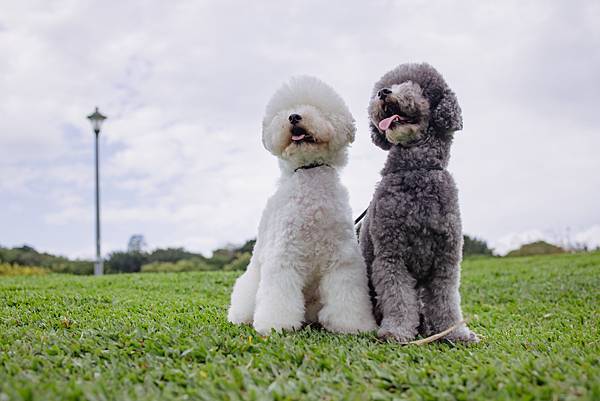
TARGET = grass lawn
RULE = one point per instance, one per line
(165, 336)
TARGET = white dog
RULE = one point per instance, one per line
(306, 265)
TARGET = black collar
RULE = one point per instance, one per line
(309, 166)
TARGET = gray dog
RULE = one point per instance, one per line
(411, 238)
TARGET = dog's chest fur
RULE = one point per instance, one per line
(422, 205)
(310, 217)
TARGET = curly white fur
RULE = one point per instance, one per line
(306, 265)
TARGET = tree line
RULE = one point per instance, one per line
(134, 260)
(234, 257)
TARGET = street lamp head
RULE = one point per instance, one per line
(96, 118)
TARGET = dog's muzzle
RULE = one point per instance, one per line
(300, 135)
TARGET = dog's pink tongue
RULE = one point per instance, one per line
(298, 137)
(386, 122)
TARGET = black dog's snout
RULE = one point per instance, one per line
(382, 94)
(295, 118)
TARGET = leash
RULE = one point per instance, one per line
(362, 216)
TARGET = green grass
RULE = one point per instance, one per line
(165, 336)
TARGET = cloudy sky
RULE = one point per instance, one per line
(185, 83)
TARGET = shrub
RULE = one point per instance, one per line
(171, 255)
(186, 265)
(222, 257)
(536, 248)
(239, 263)
(20, 270)
(28, 256)
(125, 262)
(248, 246)
(159, 267)
(473, 246)
(79, 267)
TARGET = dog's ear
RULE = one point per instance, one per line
(447, 115)
(378, 138)
(351, 131)
(346, 125)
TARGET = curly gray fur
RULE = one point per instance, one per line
(411, 237)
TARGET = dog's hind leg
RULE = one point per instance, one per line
(312, 302)
(368, 253)
(243, 297)
(279, 299)
(441, 301)
(345, 295)
(396, 298)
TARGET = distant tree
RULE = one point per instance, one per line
(27, 256)
(475, 247)
(248, 246)
(125, 262)
(184, 265)
(24, 256)
(83, 267)
(137, 243)
(239, 263)
(172, 255)
(536, 248)
(221, 257)
(227, 255)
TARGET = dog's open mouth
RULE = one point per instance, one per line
(300, 135)
(395, 116)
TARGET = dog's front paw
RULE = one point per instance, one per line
(234, 318)
(347, 321)
(350, 327)
(265, 328)
(396, 334)
(463, 335)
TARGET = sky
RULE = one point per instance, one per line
(184, 85)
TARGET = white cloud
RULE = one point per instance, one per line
(589, 237)
(513, 241)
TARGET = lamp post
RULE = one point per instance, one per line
(96, 118)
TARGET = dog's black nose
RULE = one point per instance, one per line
(382, 94)
(295, 118)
